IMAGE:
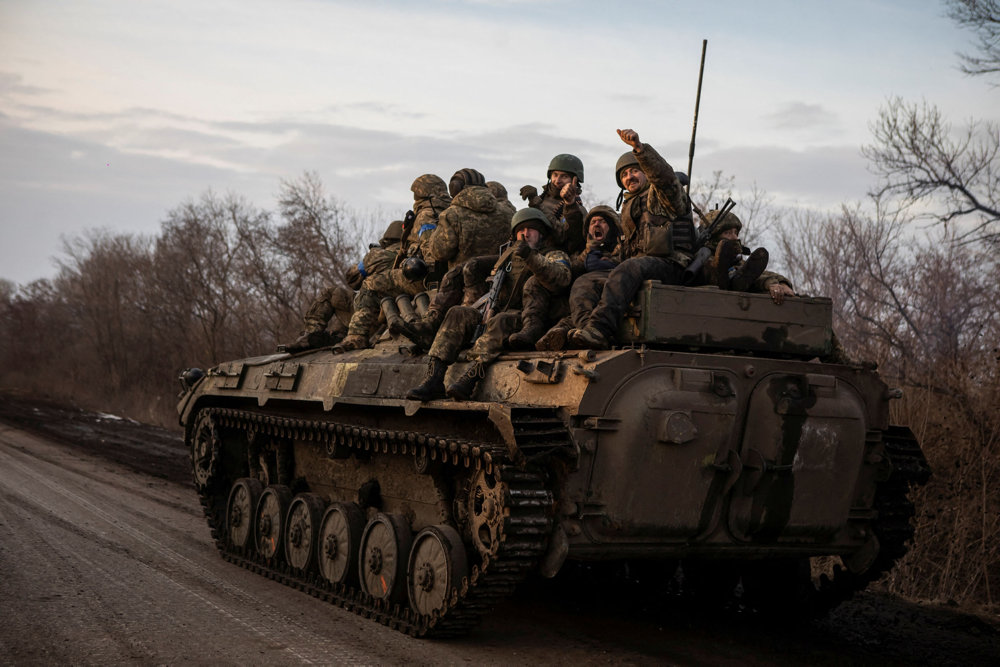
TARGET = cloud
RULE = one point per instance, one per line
(802, 116)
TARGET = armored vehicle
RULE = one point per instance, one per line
(716, 438)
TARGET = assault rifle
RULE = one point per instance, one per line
(500, 272)
(703, 252)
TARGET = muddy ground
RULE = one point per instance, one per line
(604, 612)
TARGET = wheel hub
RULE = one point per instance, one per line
(375, 560)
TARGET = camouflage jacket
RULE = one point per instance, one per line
(550, 267)
(567, 221)
(427, 211)
(471, 227)
(662, 202)
(378, 259)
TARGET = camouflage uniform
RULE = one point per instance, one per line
(591, 268)
(500, 193)
(548, 265)
(714, 245)
(472, 226)
(430, 198)
(566, 220)
(340, 300)
(660, 206)
(550, 268)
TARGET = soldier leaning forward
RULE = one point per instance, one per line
(560, 201)
(657, 238)
(591, 268)
(339, 300)
(530, 256)
(429, 197)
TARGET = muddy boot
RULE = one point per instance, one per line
(309, 340)
(553, 340)
(351, 342)
(421, 331)
(743, 278)
(463, 388)
(727, 254)
(529, 334)
(433, 385)
(588, 338)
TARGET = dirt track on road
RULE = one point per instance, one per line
(108, 560)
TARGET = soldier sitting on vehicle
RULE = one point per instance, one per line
(729, 271)
(657, 238)
(474, 226)
(530, 255)
(339, 300)
(560, 200)
(591, 267)
(430, 197)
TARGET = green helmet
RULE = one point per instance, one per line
(627, 159)
(393, 233)
(571, 164)
(530, 217)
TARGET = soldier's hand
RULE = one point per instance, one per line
(522, 249)
(630, 137)
(569, 191)
(779, 291)
(529, 192)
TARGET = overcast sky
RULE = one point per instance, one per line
(113, 112)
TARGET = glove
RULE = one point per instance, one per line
(529, 192)
(522, 249)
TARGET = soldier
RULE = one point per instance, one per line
(657, 238)
(339, 300)
(591, 267)
(560, 200)
(531, 255)
(473, 227)
(430, 198)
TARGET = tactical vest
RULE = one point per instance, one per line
(653, 234)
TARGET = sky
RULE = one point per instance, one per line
(114, 112)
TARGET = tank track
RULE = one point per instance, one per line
(523, 537)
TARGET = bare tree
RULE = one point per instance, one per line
(942, 175)
(983, 18)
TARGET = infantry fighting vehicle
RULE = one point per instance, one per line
(715, 438)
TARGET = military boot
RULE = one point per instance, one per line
(743, 278)
(727, 254)
(433, 385)
(309, 340)
(589, 338)
(421, 330)
(463, 388)
(553, 340)
(351, 342)
(529, 334)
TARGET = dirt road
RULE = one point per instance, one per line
(106, 559)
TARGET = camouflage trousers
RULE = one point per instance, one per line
(623, 284)
(458, 330)
(368, 300)
(334, 307)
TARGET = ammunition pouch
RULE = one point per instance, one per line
(657, 241)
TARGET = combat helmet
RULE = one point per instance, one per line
(393, 234)
(428, 185)
(610, 216)
(464, 178)
(627, 159)
(571, 164)
(532, 217)
(729, 221)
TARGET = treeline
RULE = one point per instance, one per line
(222, 280)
